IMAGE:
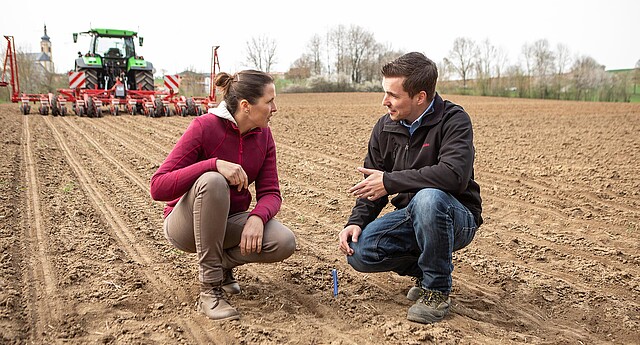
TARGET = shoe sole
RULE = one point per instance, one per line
(423, 319)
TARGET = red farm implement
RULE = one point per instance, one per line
(91, 89)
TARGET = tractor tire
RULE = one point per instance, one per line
(25, 109)
(144, 80)
(91, 108)
(191, 107)
(55, 106)
(159, 107)
(91, 78)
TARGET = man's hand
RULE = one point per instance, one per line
(233, 173)
(370, 188)
(251, 239)
(350, 232)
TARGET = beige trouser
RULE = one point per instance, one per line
(200, 223)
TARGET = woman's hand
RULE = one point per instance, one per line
(234, 174)
(251, 240)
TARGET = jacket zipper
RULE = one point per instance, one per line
(240, 152)
(406, 155)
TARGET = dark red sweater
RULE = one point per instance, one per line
(211, 137)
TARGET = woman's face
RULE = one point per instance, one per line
(261, 112)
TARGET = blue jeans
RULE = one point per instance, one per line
(417, 240)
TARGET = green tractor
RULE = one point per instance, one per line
(112, 56)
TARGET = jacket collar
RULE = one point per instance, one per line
(435, 114)
(221, 111)
(432, 117)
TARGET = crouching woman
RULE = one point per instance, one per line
(205, 180)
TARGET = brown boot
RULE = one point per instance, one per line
(213, 304)
(431, 307)
(229, 283)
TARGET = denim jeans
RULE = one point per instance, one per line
(417, 240)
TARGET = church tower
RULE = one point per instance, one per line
(46, 56)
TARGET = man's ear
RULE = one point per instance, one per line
(422, 97)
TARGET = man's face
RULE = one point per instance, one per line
(398, 102)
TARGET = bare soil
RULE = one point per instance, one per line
(83, 258)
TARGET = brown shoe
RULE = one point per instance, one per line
(430, 308)
(213, 304)
(229, 283)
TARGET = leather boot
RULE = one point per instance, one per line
(213, 304)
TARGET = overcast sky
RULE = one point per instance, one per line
(179, 35)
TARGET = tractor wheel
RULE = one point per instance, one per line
(24, 109)
(91, 77)
(191, 107)
(91, 108)
(144, 80)
(55, 106)
(64, 111)
(159, 107)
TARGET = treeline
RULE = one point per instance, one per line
(349, 59)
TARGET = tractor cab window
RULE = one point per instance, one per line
(113, 47)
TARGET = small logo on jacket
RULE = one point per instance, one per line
(425, 145)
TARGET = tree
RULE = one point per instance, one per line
(337, 40)
(486, 57)
(588, 75)
(301, 68)
(261, 53)
(360, 45)
(315, 50)
(462, 57)
(563, 61)
(544, 65)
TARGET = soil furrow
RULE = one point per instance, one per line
(43, 278)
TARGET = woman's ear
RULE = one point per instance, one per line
(244, 105)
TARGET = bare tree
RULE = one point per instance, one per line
(315, 50)
(261, 53)
(543, 57)
(563, 58)
(338, 41)
(360, 45)
(301, 68)
(485, 60)
(543, 66)
(563, 61)
(462, 57)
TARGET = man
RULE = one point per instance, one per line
(422, 150)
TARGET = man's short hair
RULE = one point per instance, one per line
(420, 72)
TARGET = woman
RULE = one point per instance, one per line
(205, 179)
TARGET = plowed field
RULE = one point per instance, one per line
(83, 258)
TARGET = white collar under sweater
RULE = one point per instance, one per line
(222, 112)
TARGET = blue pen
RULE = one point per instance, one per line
(334, 273)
